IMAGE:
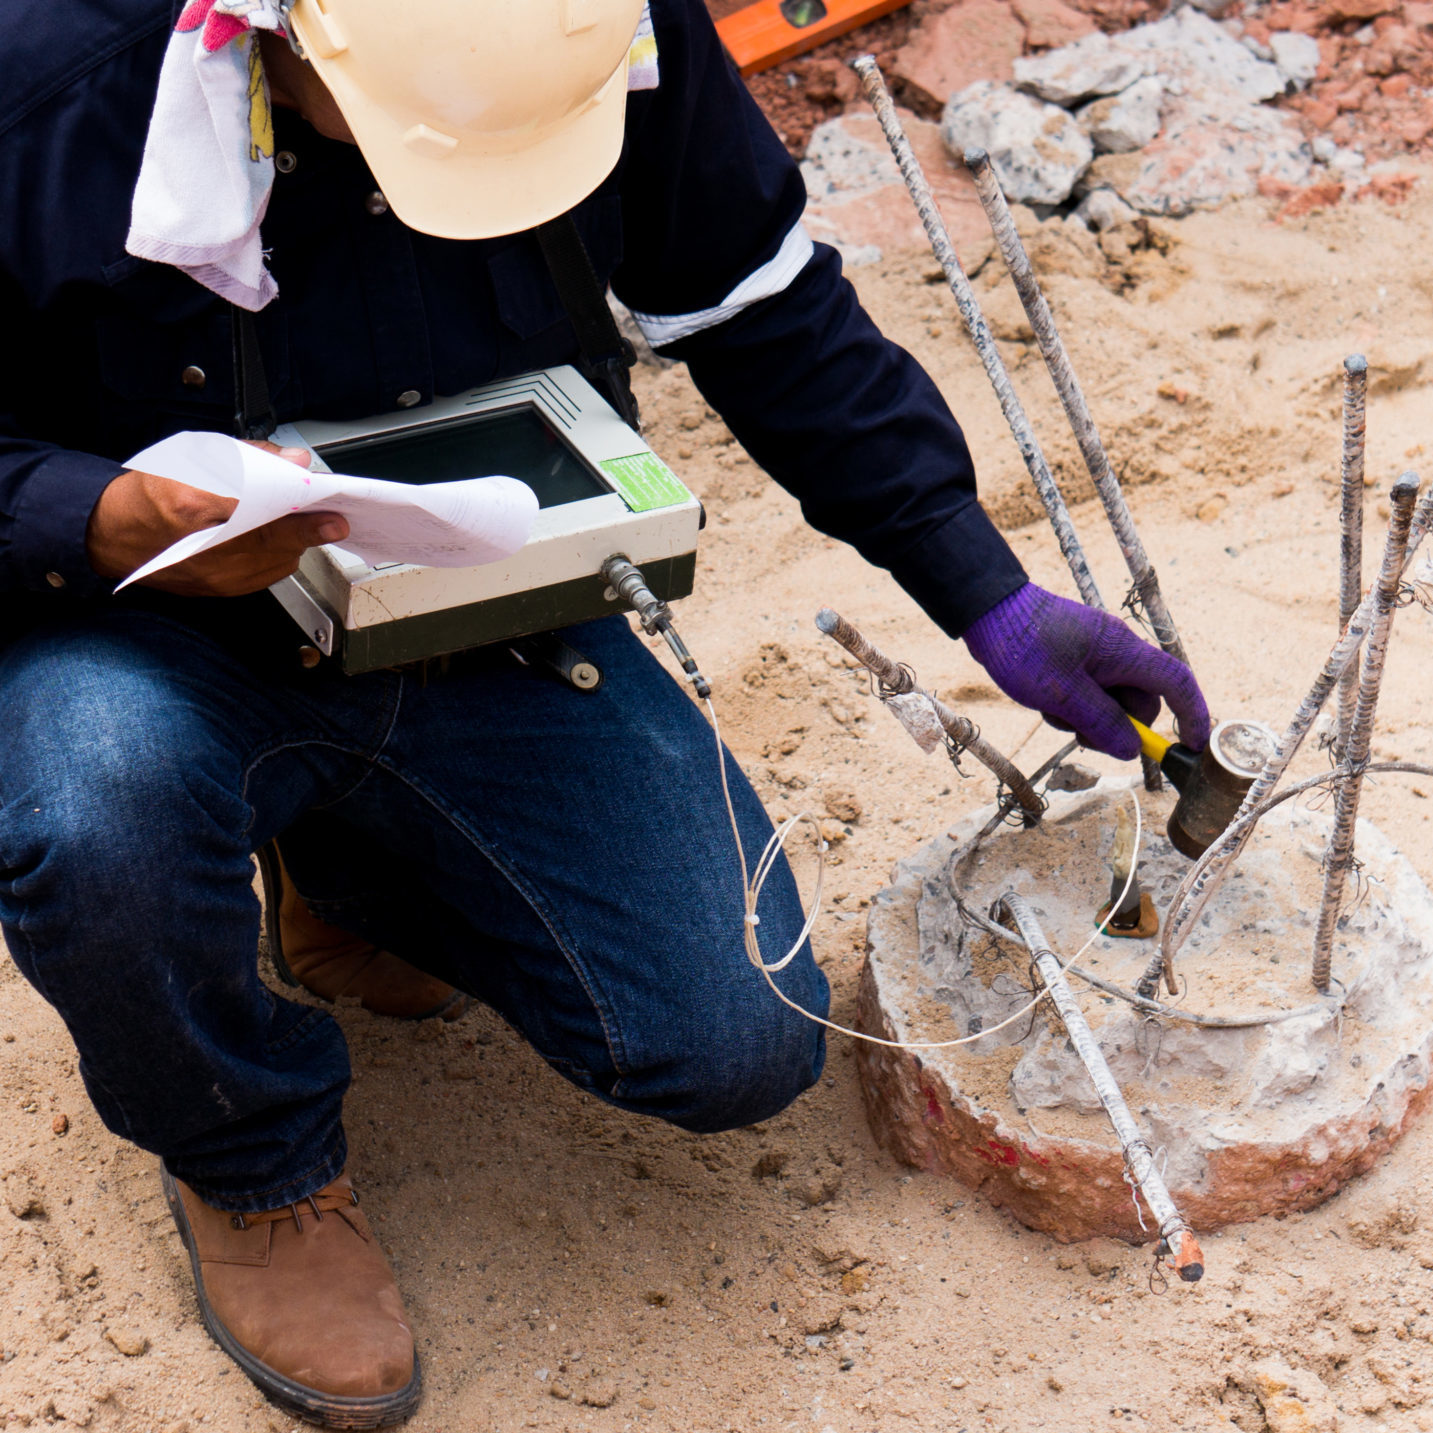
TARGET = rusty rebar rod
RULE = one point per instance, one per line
(1072, 399)
(1176, 1235)
(1350, 553)
(897, 680)
(1338, 858)
(980, 335)
(1209, 872)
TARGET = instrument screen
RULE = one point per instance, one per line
(518, 442)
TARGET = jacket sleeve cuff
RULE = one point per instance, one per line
(961, 570)
(47, 537)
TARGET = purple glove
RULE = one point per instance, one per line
(1083, 670)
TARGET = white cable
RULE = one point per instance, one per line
(775, 848)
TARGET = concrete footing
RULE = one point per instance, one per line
(1251, 1121)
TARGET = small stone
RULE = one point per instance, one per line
(60, 1124)
(127, 1339)
(646, 1402)
(1126, 121)
(560, 1390)
(428, 1030)
(959, 1381)
(856, 1281)
(1103, 210)
(1038, 150)
(598, 1393)
(1211, 510)
(658, 1298)
(844, 805)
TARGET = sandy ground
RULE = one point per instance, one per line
(571, 1268)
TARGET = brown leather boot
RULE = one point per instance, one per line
(331, 962)
(302, 1299)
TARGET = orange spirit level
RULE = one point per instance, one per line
(762, 35)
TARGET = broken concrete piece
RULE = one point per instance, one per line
(1092, 66)
(972, 40)
(1126, 121)
(1296, 56)
(1038, 150)
(1050, 23)
(1254, 1120)
(1197, 55)
(1199, 163)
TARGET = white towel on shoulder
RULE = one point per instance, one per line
(208, 162)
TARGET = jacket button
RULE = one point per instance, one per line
(54, 579)
(193, 377)
(375, 203)
(285, 161)
(409, 397)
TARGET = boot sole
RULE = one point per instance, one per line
(326, 1410)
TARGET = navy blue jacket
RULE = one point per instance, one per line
(93, 342)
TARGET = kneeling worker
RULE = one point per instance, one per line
(369, 245)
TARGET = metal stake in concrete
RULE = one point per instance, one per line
(1350, 554)
(1178, 1238)
(897, 680)
(1208, 873)
(980, 335)
(1339, 856)
(1072, 398)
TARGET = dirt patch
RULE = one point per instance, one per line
(543, 1241)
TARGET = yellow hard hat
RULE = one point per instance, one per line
(477, 117)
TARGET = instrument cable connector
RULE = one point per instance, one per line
(627, 584)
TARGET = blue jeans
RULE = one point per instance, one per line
(563, 856)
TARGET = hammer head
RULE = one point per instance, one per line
(1211, 794)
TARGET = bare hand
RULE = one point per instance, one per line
(139, 515)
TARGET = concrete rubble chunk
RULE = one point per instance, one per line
(1127, 121)
(1253, 1118)
(1038, 150)
(1197, 53)
(972, 40)
(1092, 66)
(1049, 23)
(1297, 57)
(1199, 163)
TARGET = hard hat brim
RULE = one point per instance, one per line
(472, 194)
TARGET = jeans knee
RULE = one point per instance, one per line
(748, 1058)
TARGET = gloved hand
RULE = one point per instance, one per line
(1083, 670)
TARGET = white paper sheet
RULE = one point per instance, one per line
(460, 524)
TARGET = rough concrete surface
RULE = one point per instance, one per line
(1249, 1121)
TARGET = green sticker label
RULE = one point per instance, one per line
(645, 482)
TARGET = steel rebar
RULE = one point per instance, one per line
(1178, 1238)
(1209, 871)
(898, 680)
(980, 335)
(1350, 554)
(1072, 399)
(1338, 858)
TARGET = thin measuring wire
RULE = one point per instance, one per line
(775, 848)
